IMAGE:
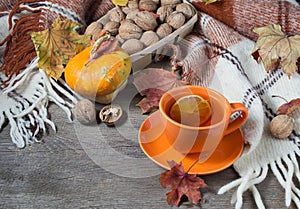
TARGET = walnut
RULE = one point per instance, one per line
(148, 5)
(149, 37)
(164, 30)
(126, 10)
(186, 9)
(131, 15)
(129, 30)
(110, 114)
(281, 126)
(127, 20)
(112, 27)
(132, 46)
(94, 29)
(131, 5)
(85, 111)
(145, 20)
(170, 2)
(116, 15)
(164, 12)
(176, 19)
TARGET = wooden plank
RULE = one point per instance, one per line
(61, 172)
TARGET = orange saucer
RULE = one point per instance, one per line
(154, 143)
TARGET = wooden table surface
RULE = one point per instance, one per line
(102, 167)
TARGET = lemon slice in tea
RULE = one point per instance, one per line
(191, 110)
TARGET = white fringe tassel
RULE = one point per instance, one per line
(284, 175)
(24, 103)
(283, 168)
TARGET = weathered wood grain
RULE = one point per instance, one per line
(65, 170)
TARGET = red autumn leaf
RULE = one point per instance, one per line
(151, 101)
(289, 107)
(152, 83)
(181, 184)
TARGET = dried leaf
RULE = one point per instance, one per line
(120, 2)
(277, 49)
(289, 107)
(151, 101)
(152, 83)
(209, 1)
(181, 184)
(55, 46)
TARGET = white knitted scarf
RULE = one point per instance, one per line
(265, 151)
(240, 78)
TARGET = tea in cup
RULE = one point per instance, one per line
(193, 131)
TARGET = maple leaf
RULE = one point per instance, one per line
(151, 101)
(56, 45)
(181, 184)
(152, 83)
(277, 49)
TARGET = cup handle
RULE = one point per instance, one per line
(238, 122)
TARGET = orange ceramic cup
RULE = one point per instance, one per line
(205, 138)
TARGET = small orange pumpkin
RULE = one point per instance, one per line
(98, 70)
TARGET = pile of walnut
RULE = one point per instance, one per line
(142, 23)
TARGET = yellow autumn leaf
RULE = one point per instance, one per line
(209, 1)
(277, 49)
(56, 45)
(120, 2)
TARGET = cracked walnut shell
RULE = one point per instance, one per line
(110, 114)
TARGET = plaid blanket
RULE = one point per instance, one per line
(223, 35)
(232, 71)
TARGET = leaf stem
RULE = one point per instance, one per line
(280, 98)
(292, 34)
(194, 163)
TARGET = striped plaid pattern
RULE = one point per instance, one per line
(231, 70)
(84, 11)
(243, 15)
